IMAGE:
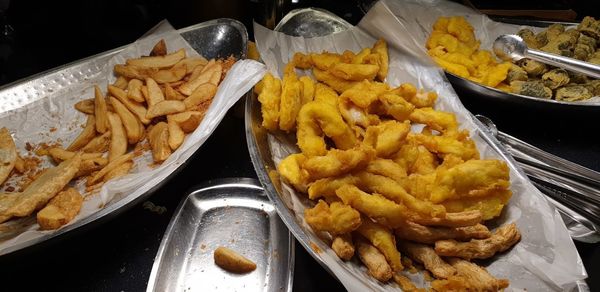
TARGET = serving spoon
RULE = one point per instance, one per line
(510, 47)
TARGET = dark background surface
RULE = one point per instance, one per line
(117, 255)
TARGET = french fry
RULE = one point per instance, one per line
(188, 121)
(121, 82)
(165, 107)
(130, 122)
(176, 134)
(90, 165)
(130, 71)
(215, 76)
(118, 139)
(203, 93)
(88, 133)
(192, 63)
(98, 144)
(8, 154)
(158, 61)
(110, 166)
(159, 142)
(172, 94)
(136, 108)
(85, 106)
(60, 210)
(59, 154)
(204, 77)
(199, 69)
(173, 74)
(100, 110)
(134, 90)
(119, 171)
(155, 94)
(232, 261)
(159, 49)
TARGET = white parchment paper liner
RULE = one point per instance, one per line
(33, 122)
(545, 259)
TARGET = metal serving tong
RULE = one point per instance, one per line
(572, 188)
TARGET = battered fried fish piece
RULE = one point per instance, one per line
(382, 58)
(502, 239)
(318, 119)
(387, 137)
(473, 178)
(382, 238)
(419, 98)
(338, 84)
(426, 255)
(308, 89)
(270, 98)
(324, 61)
(490, 206)
(440, 121)
(396, 106)
(343, 247)
(429, 235)
(40, 191)
(290, 169)
(448, 145)
(60, 210)
(324, 93)
(336, 218)
(291, 101)
(354, 72)
(470, 277)
(326, 187)
(364, 93)
(8, 154)
(374, 260)
(338, 162)
(387, 168)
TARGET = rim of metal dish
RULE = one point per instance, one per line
(126, 202)
(298, 11)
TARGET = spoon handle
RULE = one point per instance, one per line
(570, 64)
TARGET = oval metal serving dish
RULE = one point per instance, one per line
(234, 213)
(218, 38)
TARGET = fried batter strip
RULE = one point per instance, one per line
(383, 239)
(374, 260)
(502, 239)
(429, 235)
(470, 277)
(336, 218)
(337, 162)
(343, 247)
(426, 255)
(459, 219)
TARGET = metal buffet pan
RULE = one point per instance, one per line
(234, 213)
(212, 39)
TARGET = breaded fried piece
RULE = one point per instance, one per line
(383, 239)
(60, 210)
(429, 235)
(470, 277)
(458, 219)
(343, 247)
(426, 255)
(374, 260)
(336, 218)
(502, 239)
(326, 187)
(338, 162)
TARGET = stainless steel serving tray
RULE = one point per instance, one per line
(234, 213)
(212, 39)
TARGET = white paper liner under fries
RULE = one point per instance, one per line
(54, 119)
(545, 258)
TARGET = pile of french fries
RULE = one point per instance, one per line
(379, 186)
(158, 98)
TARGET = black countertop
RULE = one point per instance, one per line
(118, 253)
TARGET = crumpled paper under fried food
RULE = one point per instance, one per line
(545, 259)
(32, 123)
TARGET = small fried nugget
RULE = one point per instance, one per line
(502, 238)
(382, 238)
(336, 218)
(60, 210)
(343, 247)
(374, 260)
(337, 162)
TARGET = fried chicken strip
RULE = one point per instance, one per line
(374, 260)
(426, 255)
(343, 247)
(429, 235)
(502, 239)
(470, 277)
(336, 218)
(383, 239)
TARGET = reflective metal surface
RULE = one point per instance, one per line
(233, 213)
(215, 38)
(311, 22)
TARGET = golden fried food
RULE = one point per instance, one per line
(374, 260)
(133, 128)
(159, 142)
(118, 139)
(381, 58)
(336, 218)
(387, 168)
(136, 108)
(443, 145)
(470, 277)
(59, 154)
(429, 235)
(291, 169)
(232, 261)
(166, 107)
(458, 219)
(100, 111)
(426, 255)
(291, 101)
(490, 206)
(88, 133)
(337, 162)
(406, 284)
(8, 154)
(387, 138)
(98, 144)
(109, 167)
(338, 84)
(158, 61)
(354, 72)
(375, 206)
(343, 247)
(188, 121)
(270, 97)
(60, 210)
(502, 239)
(327, 187)
(382, 238)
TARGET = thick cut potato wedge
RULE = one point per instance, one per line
(60, 210)
(205, 76)
(8, 154)
(88, 133)
(172, 94)
(188, 121)
(98, 144)
(108, 168)
(203, 93)
(159, 142)
(173, 74)
(121, 82)
(155, 94)
(136, 108)
(176, 134)
(232, 261)
(85, 106)
(158, 61)
(134, 90)
(118, 139)
(133, 128)
(192, 63)
(59, 154)
(100, 110)
(165, 107)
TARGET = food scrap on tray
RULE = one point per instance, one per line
(155, 100)
(453, 46)
(389, 176)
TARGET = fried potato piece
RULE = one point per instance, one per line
(86, 106)
(133, 128)
(109, 167)
(374, 260)
(202, 93)
(99, 144)
(88, 133)
(380, 48)
(165, 107)
(100, 111)
(337, 162)
(427, 256)
(291, 169)
(40, 191)
(131, 71)
(134, 90)
(270, 98)
(172, 94)
(354, 72)
(502, 239)
(90, 165)
(176, 134)
(159, 142)
(206, 75)
(20, 166)
(233, 261)
(291, 101)
(159, 49)
(470, 277)
(343, 247)
(121, 82)
(59, 154)
(336, 218)
(473, 178)
(338, 84)
(155, 94)
(382, 238)
(118, 171)
(429, 235)
(60, 210)
(118, 139)
(191, 63)
(188, 121)
(158, 61)
(136, 108)
(173, 74)
(319, 119)
(8, 154)
(326, 187)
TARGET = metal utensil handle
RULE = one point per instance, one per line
(564, 62)
(542, 159)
